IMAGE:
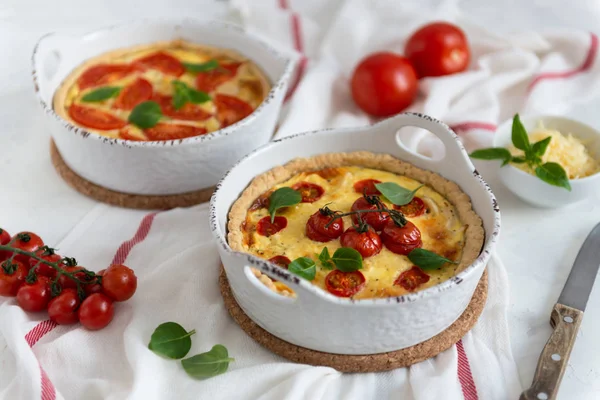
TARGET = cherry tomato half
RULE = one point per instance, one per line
(281, 261)
(367, 243)
(163, 131)
(27, 241)
(12, 276)
(96, 311)
(95, 118)
(412, 279)
(261, 201)
(367, 186)
(310, 192)
(438, 49)
(210, 80)
(34, 297)
(415, 208)
(189, 111)
(103, 74)
(376, 219)
(133, 94)
(231, 109)
(344, 284)
(401, 239)
(161, 61)
(316, 230)
(119, 282)
(384, 84)
(63, 308)
(266, 228)
(48, 254)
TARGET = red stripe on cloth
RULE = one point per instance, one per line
(48, 391)
(587, 64)
(467, 126)
(283, 4)
(139, 237)
(465, 376)
(39, 331)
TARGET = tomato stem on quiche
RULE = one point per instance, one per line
(395, 215)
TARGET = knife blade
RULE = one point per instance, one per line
(565, 319)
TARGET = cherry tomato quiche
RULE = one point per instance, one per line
(161, 91)
(339, 206)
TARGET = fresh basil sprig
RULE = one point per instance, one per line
(426, 259)
(101, 94)
(550, 172)
(171, 340)
(283, 197)
(202, 67)
(146, 114)
(325, 259)
(304, 267)
(395, 193)
(183, 93)
(209, 364)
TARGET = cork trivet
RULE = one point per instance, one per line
(140, 202)
(360, 363)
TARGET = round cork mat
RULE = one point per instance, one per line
(360, 363)
(126, 200)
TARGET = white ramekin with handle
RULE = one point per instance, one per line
(318, 320)
(166, 167)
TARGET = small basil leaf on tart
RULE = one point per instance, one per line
(184, 94)
(426, 259)
(283, 197)
(395, 193)
(146, 115)
(101, 94)
(347, 259)
(304, 267)
(201, 67)
(325, 259)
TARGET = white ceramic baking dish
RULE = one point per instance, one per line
(318, 320)
(168, 167)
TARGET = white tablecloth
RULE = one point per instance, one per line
(537, 246)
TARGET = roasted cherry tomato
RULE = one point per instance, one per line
(119, 282)
(126, 133)
(231, 109)
(161, 61)
(282, 261)
(27, 241)
(103, 74)
(63, 308)
(384, 84)
(34, 297)
(164, 131)
(48, 254)
(401, 239)
(344, 284)
(415, 208)
(412, 279)
(95, 118)
(133, 94)
(316, 230)
(261, 201)
(12, 276)
(367, 186)
(310, 192)
(267, 228)
(210, 80)
(376, 219)
(4, 239)
(66, 282)
(96, 311)
(366, 243)
(189, 111)
(437, 49)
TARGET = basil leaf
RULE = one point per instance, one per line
(518, 160)
(553, 174)
(283, 197)
(519, 134)
(209, 364)
(146, 114)
(426, 259)
(396, 193)
(325, 258)
(539, 148)
(184, 94)
(203, 67)
(347, 259)
(101, 94)
(304, 267)
(493, 153)
(171, 340)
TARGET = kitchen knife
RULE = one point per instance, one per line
(565, 319)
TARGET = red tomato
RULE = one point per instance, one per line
(367, 186)
(34, 297)
(412, 279)
(209, 81)
(376, 219)
(119, 282)
(310, 192)
(261, 201)
(133, 94)
(161, 61)
(66, 282)
(366, 243)
(48, 254)
(401, 240)
(4, 239)
(12, 276)
(415, 208)
(266, 228)
(96, 311)
(103, 74)
(438, 49)
(189, 111)
(316, 230)
(27, 241)
(93, 287)
(95, 118)
(126, 134)
(164, 131)
(384, 84)
(231, 109)
(344, 284)
(282, 261)
(63, 308)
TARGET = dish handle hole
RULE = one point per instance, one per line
(420, 143)
(51, 63)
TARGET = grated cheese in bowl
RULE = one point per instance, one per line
(566, 150)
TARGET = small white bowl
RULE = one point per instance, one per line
(533, 190)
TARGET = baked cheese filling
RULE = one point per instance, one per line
(341, 209)
(162, 91)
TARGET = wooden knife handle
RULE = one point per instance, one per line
(553, 360)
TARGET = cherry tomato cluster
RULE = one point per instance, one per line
(42, 280)
(385, 83)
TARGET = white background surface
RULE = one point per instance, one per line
(537, 246)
